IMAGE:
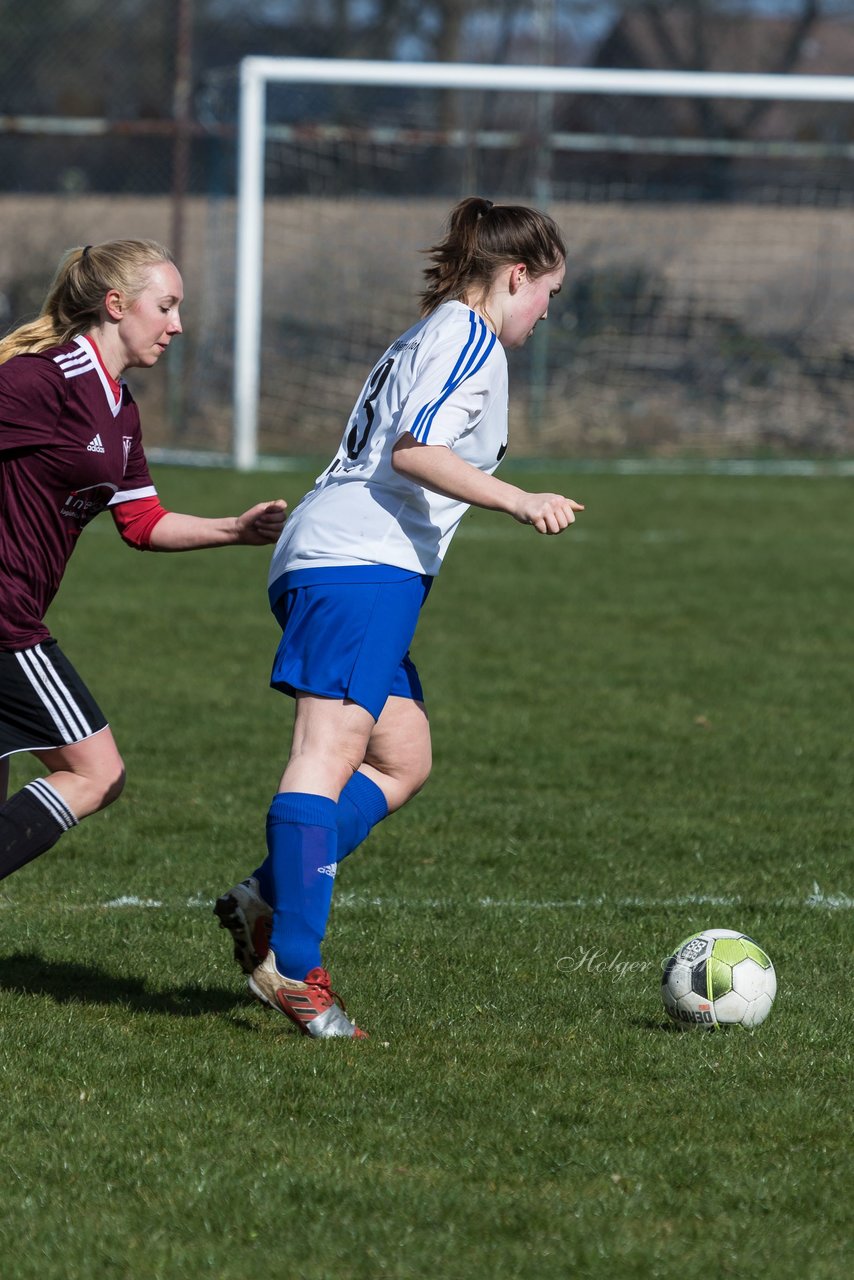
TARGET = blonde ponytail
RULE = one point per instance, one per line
(38, 335)
(75, 298)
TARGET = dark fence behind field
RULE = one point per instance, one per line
(709, 301)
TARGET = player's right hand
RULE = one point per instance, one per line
(547, 512)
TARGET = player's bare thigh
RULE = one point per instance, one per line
(332, 738)
(329, 741)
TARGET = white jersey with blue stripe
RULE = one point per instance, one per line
(445, 383)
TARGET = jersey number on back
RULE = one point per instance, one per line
(355, 442)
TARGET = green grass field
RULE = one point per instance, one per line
(640, 728)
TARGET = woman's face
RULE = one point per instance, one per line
(151, 321)
(523, 303)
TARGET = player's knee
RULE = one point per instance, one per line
(405, 767)
(408, 780)
(110, 785)
(421, 772)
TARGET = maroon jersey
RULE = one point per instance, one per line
(67, 451)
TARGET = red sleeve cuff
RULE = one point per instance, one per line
(135, 520)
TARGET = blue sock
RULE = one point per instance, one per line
(302, 838)
(361, 806)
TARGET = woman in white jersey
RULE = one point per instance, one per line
(353, 568)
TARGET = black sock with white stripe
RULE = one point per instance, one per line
(31, 822)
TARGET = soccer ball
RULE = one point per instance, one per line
(716, 978)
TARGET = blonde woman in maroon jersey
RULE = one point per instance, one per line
(71, 447)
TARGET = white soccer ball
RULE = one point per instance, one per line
(717, 978)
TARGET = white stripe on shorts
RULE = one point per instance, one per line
(53, 802)
(55, 696)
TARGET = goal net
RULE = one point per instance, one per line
(708, 308)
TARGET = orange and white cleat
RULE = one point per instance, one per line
(314, 1008)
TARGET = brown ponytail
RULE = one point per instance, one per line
(483, 237)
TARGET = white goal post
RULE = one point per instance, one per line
(256, 73)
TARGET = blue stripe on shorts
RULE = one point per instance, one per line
(348, 639)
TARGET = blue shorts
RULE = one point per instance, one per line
(346, 633)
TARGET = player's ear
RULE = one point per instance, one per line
(518, 276)
(114, 304)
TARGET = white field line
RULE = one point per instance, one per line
(816, 900)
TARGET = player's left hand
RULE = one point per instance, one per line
(262, 523)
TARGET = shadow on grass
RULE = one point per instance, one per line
(31, 975)
(650, 1024)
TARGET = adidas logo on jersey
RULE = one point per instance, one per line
(330, 869)
(95, 446)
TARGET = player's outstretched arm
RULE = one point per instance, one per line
(440, 469)
(257, 527)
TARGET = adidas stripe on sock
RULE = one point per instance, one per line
(53, 802)
(31, 822)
